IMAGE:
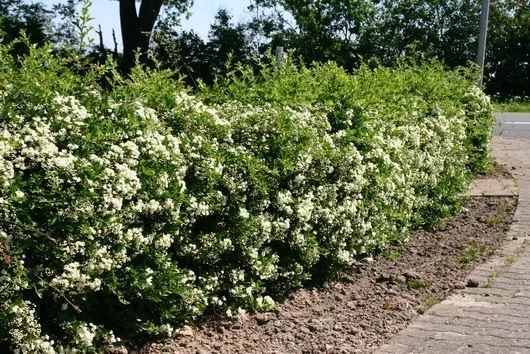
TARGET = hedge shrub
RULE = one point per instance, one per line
(130, 211)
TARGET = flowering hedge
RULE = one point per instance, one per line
(131, 211)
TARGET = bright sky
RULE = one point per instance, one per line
(105, 12)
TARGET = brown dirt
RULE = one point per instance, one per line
(496, 170)
(371, 303)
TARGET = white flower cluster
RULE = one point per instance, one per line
(193, 205)
(25, 330)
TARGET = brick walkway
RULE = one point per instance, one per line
(494, 317)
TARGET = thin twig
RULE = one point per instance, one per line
(19, 225)
(61, 294)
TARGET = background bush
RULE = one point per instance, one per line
(134, 210)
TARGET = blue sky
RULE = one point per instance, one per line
(105, 12)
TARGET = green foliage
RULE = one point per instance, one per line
(431, 301)
(508, 49)
(186, 52)
(82, 25)
(345, 31)
(475, 250)
(17, 16)
(515, 104)
(418, 284)
(201, 61)
(130, 211)
(435, 28)
(329, 30)
(384, 31)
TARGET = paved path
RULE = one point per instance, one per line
(493, 187)
(514, 125)
(494, 317)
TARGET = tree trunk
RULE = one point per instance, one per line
(136, 29)
(129, 33)
(149, 11)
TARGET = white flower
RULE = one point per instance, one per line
(166, 330)
(267, 300)
(86, 334)
(169, 205)
(226, 244)
(164, 241)
(5, 238)
(305, 209)
(152, 207)
(243, 213)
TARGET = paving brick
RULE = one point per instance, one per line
(502, 320)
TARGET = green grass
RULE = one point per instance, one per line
(475, 250)
(491, 222)
(495, 168)
(392, 254)
(431, 301)
(417, 284)
(513, 105)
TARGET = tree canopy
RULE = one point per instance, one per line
(32, 18)
(345, 31)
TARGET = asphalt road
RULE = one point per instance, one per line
(512, 125)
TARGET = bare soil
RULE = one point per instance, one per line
(496, 170)
(372, 301)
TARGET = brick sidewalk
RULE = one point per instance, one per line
(494, 317)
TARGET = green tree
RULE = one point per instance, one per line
(186, 52)
(508, 49)
(227, 40)
(447, 29)
(199, 60)
(32, 18)
(267, 26)
(65, 32)
(325, 30)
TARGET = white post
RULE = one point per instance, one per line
(279, 56)
(482, 38)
